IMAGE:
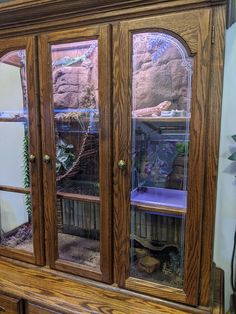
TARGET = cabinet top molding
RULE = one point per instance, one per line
(14, 12)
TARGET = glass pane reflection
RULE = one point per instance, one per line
(15, 221)
(14, 135)
(76, 116)
(75, 96)
(161, 114)
(79, 232)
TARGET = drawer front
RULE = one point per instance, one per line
(9, 305)
(36, 309)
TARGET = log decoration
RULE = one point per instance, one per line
(156, 229)
(79, 218)
(148, 245)
(86, 141)
(152, 111)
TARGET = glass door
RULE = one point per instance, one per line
(160, 176)
(161, 116)
(77, 151)
(20, 207)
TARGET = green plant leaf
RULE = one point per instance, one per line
(233, 157)
(234, 137)
(64, 157)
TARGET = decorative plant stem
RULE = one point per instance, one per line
(77, 162)
(26, 171)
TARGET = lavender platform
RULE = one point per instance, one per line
(160, 196)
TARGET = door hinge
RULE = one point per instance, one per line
(213, 34)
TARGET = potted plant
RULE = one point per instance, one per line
(233, 156)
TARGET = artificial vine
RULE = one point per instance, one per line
(26, 172)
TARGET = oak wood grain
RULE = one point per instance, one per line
(17, 254)
(35, 149)
(47, 8)
(192, 28)
(26, 3)
(29, 44)
(155, 289)
(212, 149)
(69, 296)
(48, 147)
(48, 141)
(72, 13)
(31, 308)
(79, 270)
(14, 189)
(12, 120)
(79, 197)
(58, 20)
(162, 119)
(218, 292)
(201, 77)
(10, 305)
(160, 209)
(105, 151)
(121, 148)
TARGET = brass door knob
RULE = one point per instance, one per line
(46, 159)
(32, 158)
(122, 164)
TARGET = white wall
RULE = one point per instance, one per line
(12, 208)
(226, 194)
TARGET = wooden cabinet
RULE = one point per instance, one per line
(80, 119)
(165, 202)
(109, 128)
(36, 309)
(10, 305)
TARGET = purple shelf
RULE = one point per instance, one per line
(161, 197)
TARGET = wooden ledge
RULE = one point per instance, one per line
(48, 289)
(16, 4)
(24, 12)
(218, 294)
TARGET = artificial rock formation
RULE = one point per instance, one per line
(165, 78)
(70, 86)
(71, 82)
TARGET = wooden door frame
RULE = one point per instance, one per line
(29, 43)
(102, 34)
(198, 22)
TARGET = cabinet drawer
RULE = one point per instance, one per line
(9, 305)
(36, 309)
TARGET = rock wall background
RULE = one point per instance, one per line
(71, 83)
(159, 73)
